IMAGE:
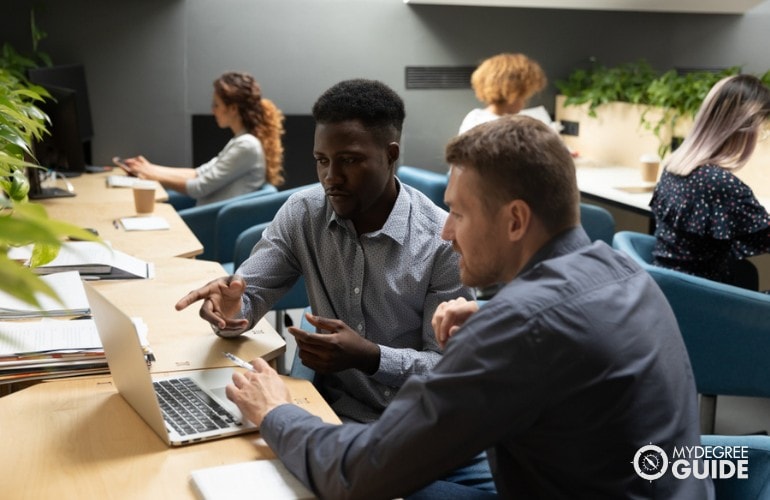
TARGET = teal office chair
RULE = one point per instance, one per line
(202, 220)
(237, 217)
(757, 485)
(597, 222)
(431, 184)
(725, 329)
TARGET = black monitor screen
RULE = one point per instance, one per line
(71, 77)
(61, 149)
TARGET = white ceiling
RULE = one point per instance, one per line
(694, 6)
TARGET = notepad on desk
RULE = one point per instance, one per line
(93, 261)
(151, 223)
(121, 181)
(268, 477)
(68, 287)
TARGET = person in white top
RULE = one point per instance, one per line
(252, 157)
(504, 83)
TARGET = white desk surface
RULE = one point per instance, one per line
(620, 186)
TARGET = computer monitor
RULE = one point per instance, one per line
(71, 77)
(61, 149)
(73, 118)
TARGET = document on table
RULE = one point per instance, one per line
(268, 477)
(48, 336)
(93, 260)
(121, 181)
(56, 336)
(144, 223)
(68, 287)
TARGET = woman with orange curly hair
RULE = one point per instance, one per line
(252, 157)
(504, 83)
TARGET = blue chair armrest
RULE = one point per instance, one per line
(179, 201)
(757, 484)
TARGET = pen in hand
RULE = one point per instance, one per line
(238, 361)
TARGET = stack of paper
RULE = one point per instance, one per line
(68, 287)
(52, 348)
(32, 350)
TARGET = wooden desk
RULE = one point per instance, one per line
(98, 207)
(79, 439)
(93, 188)
(181, 340)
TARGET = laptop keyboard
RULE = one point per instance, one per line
(188, 409)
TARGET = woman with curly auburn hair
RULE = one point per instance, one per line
(504, 83)
(252, 157)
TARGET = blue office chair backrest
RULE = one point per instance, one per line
(725, 328)
(431, 184)
(236, 217)
(757, 485)
(202, 220)
(597, 222)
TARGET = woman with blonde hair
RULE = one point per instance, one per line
(707, 220)
(252, 157)
(504, 83)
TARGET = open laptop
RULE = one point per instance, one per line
(145, 393)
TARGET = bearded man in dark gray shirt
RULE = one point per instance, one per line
(575, 365)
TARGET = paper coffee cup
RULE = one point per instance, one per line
(144, 196)
(650, 165)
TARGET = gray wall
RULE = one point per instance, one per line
(150, 63)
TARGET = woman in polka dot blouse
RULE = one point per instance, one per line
(707, 220)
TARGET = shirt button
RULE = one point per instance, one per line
(387, 393)
(360, 327)
(356, 290)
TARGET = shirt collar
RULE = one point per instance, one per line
(568, 241)
(396, 224)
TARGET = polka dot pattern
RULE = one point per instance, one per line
(706, 220)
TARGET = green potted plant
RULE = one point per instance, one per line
(23, 222)
(668, 97)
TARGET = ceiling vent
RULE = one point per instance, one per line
(439, 77)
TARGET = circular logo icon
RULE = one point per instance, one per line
(650, 462)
